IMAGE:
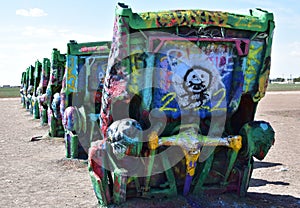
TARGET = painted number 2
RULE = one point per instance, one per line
(168, 98)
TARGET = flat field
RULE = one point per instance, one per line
(7, 92)
(283, 87)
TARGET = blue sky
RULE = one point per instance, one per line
(31, 28)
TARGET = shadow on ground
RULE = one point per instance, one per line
(252, 200)
(261, 164)
(260, 182)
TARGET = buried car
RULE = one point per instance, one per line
(52, 97)
(81, 95)
(178, 104)
(44, 80)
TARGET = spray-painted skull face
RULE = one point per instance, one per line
(123, 133)
(194, 76)
(197, 80)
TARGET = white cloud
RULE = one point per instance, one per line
(35, 12)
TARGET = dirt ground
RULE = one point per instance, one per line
(35, 174)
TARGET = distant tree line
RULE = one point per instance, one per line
(297, 79)
(279, 79)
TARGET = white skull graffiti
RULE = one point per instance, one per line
(123, 133)
(194, 77)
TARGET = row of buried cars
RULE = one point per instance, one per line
(65, 92)
(166, 108)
